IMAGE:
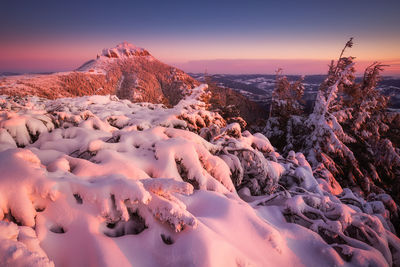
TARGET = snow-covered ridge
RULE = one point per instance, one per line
(145, 185)
(124, 50)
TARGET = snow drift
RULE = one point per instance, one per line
(98, 181)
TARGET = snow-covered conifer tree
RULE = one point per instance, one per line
(285, 112)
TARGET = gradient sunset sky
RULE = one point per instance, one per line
(222, 36)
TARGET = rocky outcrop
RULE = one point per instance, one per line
(125, 50)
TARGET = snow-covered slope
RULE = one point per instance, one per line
(130, 73)
(127, 71)
(98, 181)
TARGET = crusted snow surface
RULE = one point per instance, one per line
(96, 181)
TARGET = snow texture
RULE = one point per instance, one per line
(145, 185)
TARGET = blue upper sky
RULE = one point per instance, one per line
(180, 31)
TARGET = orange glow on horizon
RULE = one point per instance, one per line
(57, 55)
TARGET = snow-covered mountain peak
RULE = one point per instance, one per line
(109, 56)
(124, 50)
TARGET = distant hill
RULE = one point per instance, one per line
(126, 70)
(130, 73)
(258, 87)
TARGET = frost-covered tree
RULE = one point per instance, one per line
(347, 137)
(366, 119)
(349, 142)
(285, 112)
(325, 145)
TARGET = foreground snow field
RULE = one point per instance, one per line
(98, 181)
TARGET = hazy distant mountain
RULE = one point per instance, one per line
(258, 87)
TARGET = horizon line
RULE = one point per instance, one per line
(16, 73)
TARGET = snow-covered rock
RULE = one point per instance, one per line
(124, 50)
